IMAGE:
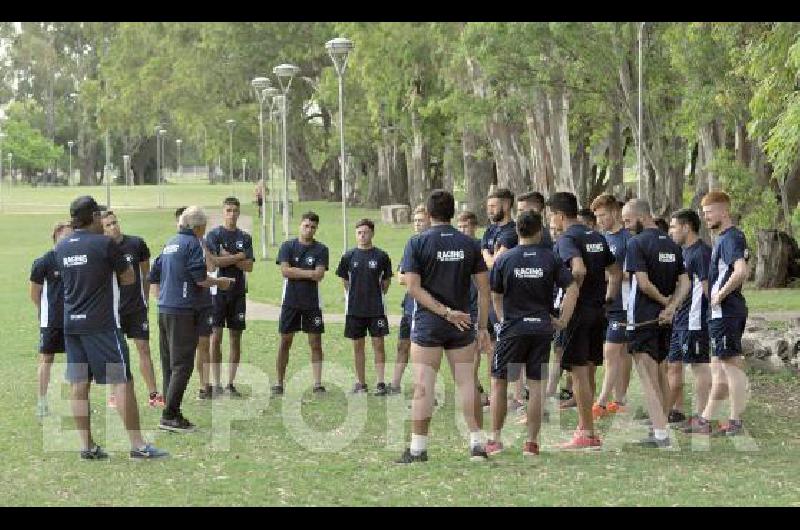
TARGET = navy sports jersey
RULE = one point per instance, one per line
(526, 276)
(302, 294)
(181, 266)
(445, 259)
(618, 243)
(204, 298)
(408, 303)
(154, 276)
(729, 247)
(132, 297)
(497, 236)
(578, 241)
(45, 273)
(365, 270)
(233, 241)
(89, 264)
(693, 312)
(473, 289)
(654, 252)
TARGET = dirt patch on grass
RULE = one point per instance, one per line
(779, 393)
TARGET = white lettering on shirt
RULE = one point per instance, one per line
(528, 254)
(77, 317)
(666, 257)
(537, 272)
(74, 261)
(171, 249)
(594, 247)
(450, 255)
(532, 319)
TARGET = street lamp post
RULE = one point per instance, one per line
(178, 143)
(339, 50)
(231, 124)
(126, 160)
(285, 73)
(2, 137)
(70, 144)
(274, 116)
(260, 86)
(107, 171)
(640, 179)
(11, 167)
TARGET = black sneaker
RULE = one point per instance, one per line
(179, 424)
(393, 390)
(148, 452)
(676, 417)
(526, 394)
(408, 458)
(95, 453)
(381, 389)
(652, 442)
(360, 388)
(277, 391)
(319, 389)
(233, 392)
(565, 395)
(204, 393)
(478, 454)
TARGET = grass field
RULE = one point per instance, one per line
(271, 457)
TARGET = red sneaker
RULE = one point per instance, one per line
(581, 440)
(156, 400)
(598, 411)
(615, 407)
(492, 447)
(530, 449)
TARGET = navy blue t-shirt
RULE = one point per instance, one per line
(578, 241)
(693, 312)
(233, 241)
(132, 297)
(729, 247)
(654, 252)
(497, 236)
(181, 266)
(618, 243)
(526, 276)
(445, 259)
(365, 270)
(89, 264)
(44, 272)
(302, 294)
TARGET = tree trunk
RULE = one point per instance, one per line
(615, 160)
(505, 146)
(537, 119)
(448, 176)
(772, 262)
(418, 159)
(477, 174)
(311, 184)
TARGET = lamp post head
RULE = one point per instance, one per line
(162, 132)
(286, 70)
(270, 92)
(339, 49)
(231, 124)
(70, 144)
(260, 83)
(126, 159)
(179, 141)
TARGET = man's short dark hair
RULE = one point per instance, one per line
(441, 205)
(366, 222)
(233, 201)
(179, 212)
(687, 216)
(586, 213)
(311, 216)
(661, 224)
(564, 202)
(529, 223)
(82, 211)
(470, 217)
(502, 193)
(532, 196)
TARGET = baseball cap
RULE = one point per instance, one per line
(564, 202)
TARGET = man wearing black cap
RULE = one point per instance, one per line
(92, 266)
(589, 257)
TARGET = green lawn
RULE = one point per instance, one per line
(270, 458)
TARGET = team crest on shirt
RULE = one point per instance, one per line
(144, 326)
(355, 264)
(241, 316)
(239, 245)
(317, 321)
(129, 258)
(381, 323)
(210, 320)
(310, 260)
(373, 264)
(56, 273)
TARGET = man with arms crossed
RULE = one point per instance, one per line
(659, 285)
(233, 253)
(439, 265)
(133, 302)
(689, 341)
(303, 262)
(366, 273)
(728, 315)
(522, 282)
(47, 294)
(92, 267)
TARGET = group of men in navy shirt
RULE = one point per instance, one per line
(632, 289)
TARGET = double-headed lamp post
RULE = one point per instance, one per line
(260, 86)
(231, 124)
(339, 49)
(270, 94)
(285, 73)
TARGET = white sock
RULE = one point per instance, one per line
(419, 443)
(476, 438)
(660, 434)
